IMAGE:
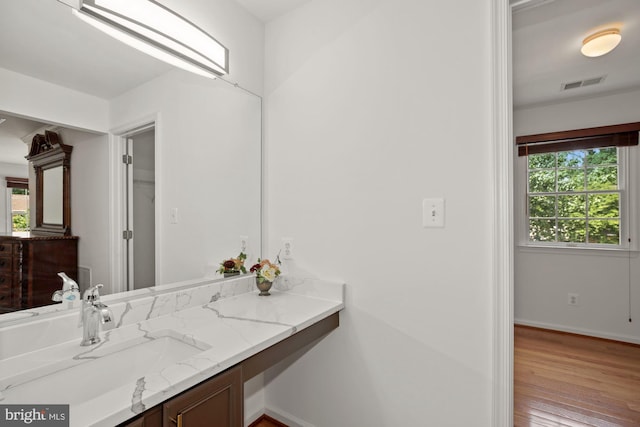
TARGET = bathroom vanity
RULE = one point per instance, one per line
(177, 355)
(218, 401)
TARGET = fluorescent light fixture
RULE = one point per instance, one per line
(157, 31)
(601, 43)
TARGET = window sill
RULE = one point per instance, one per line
(577, 250)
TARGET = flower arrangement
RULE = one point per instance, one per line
(265, 271)
(233, 265)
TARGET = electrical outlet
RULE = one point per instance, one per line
(287, 248)
(244, 244)
(573, 299)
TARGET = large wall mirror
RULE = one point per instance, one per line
(51, 162)
(201, 181)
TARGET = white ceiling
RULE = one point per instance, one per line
(267, 10)
(47, 42)
(546, 49)
(42, 39)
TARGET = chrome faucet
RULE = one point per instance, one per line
(70, 290)
(93, 314)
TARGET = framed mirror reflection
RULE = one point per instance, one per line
(206, 151)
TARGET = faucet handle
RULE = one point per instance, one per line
(92, 293)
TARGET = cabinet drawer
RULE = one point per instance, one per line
(8, 280)
(9, 264)
(7, 249)
(5, 297)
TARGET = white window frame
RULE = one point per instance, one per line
(8, 217)
(627, 174)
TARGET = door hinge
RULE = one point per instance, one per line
(127, 159)
(127, 234)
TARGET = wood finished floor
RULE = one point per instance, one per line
(266, 421)
(570, 380)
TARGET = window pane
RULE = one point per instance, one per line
(571, 158)
(542, 230)
(602, 178)
(542, 161)
(602, 156)
(20, 222)
(575, 196)
(604, 205)
(605, 232)
(542, 206)
(573, 206)
(542, 182)
(19, 209)
(570, 179)
(571, 230)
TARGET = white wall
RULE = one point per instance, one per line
(12, 170)
(27, 97)
(543, 279)
(90, 201)
(369, 112)
(208, 167)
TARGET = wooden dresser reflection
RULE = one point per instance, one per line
(29, 268)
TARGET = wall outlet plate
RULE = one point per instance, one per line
(287, 248)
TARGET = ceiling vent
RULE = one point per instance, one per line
(582, 83)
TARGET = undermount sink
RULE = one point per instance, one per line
(103, 370)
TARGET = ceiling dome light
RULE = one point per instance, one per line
(601, 43)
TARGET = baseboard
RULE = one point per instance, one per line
(286, 418)
(580, 331)
(251, 419)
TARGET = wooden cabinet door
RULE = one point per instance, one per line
(150, 418)
(217, 402)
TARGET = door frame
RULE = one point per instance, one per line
(117, 140)
(502, 180)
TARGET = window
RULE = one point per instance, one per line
(18, 189)
(19, 209)
(576, 188)
(575, 196)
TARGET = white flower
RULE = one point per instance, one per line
(268, 272)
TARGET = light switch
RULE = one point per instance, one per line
(433, 213)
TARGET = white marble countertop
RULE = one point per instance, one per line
(224, 330)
